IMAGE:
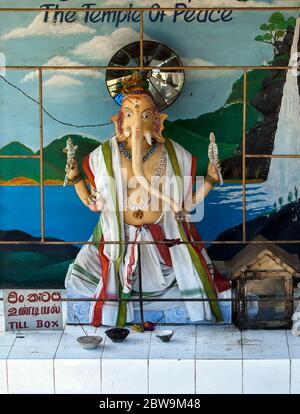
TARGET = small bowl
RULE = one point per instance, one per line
(89, 342)
(165, 336)
(117, 334)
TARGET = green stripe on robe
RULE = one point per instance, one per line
(211, 294)
(107, 155)
(88, 276)
(97, 233)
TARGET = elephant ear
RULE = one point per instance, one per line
(117, 120)
(158, 127)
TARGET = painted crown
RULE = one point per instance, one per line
(134, 84)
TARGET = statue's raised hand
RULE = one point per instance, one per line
(213, 171)
(214, 167)
(71, 169)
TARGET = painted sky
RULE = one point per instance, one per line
(80, 98)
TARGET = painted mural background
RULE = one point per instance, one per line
(76, 103)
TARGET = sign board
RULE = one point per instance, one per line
(31, 309)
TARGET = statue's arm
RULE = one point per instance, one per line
(88, 197)
(213, 175)
(210, 180)
(201, 193)
(79, 182)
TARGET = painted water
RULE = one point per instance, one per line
(66, 218)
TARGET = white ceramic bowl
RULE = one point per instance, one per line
(165, 335)
(90, 341)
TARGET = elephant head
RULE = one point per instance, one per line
(138, 123)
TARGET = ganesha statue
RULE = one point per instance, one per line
(142, 184)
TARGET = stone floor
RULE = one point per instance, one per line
(203, 359)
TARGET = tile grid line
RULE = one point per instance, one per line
(290, 361)
(101, 363)
(196, 327)
(54, 357)
(196, 340)
(148, 363)
(7, 357)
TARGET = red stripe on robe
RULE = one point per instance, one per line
(194, 169)
(97, 316)
(87, 170)
(158, 235)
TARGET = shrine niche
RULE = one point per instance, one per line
(263, 277)
(254, 100)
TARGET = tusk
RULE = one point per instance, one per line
(148, 136)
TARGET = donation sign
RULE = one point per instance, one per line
(28, 309)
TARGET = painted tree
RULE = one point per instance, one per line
(275, 29)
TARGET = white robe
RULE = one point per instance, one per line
(84, 275)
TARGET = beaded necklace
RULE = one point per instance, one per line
(126, 154)
(138, 208)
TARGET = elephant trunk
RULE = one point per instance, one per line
(138, 170)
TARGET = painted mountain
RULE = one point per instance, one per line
(27, 171)
(33, 265)
(226, 122)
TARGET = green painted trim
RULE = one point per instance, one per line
(156, 293)
(187, 292)
(122, 310)
(107, 155)
(97, 233)
(174, 161)
(81, 270)
(191, 292)
(126, 295)
(86, 281)
(173, 157)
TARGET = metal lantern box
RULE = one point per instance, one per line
(262, 275)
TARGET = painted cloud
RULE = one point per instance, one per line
(64, 61)
(103, 47)
(38, 28)
(203, 74)
(62, 81)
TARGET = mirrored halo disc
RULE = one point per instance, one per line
(165, 85)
